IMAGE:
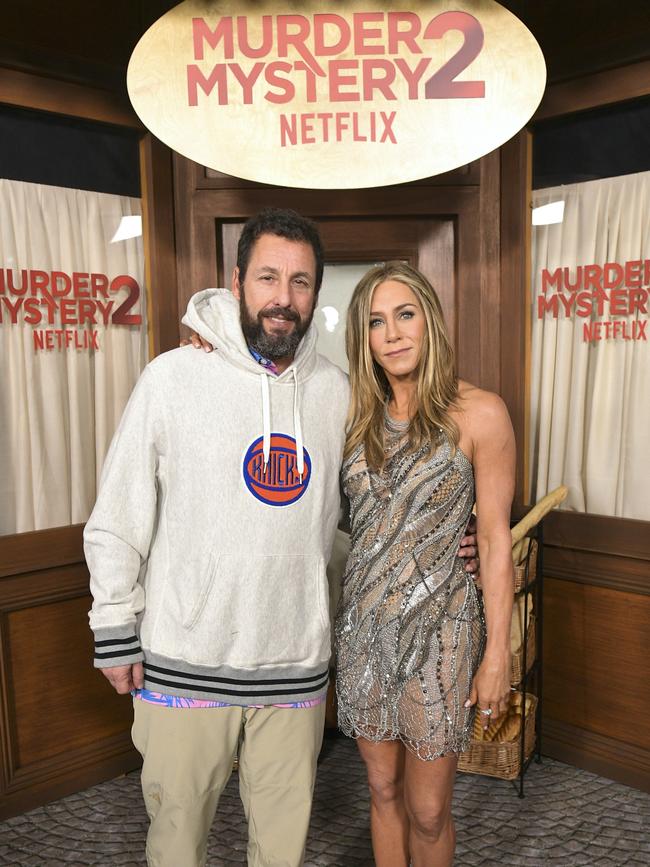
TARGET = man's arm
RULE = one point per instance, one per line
(118, 535)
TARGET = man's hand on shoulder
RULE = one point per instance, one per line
(125, 678)
(469, 547)
(198, 342)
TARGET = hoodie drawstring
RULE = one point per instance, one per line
(297, 428)
(266, 419)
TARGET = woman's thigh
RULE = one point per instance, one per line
(429, 786)
(384, 762)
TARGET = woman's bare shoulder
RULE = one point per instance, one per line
(480, 408)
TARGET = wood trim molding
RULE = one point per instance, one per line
(159, 244)
(41, 549)
(597, 570)
(602, 755)
(601, 534)
(25, 90)
(69, 775)
(594, 91)
(515, 219)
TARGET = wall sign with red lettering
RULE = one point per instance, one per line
(356, 94)
(67, 311)
(611, 299)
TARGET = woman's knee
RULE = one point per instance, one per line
(429, 820)
(385, 787)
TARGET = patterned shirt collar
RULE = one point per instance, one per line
(265, 362)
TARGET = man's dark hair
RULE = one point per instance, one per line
(285, 224)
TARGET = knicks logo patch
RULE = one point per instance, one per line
(279, 483)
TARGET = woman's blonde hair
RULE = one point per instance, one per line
(437, 383)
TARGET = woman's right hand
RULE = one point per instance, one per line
(197, 342)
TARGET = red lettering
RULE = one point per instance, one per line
(546, 303)
(638, 301)
(341, 119)
(13, 289)
(388, 133)
(67, 308)
(323, 20)
(32, 311)
(337, 80)
(612, 275)
(381, 83)
(13, 309)
(363, 33)
(201, 32)
(296, 39)
(38, 339)
(99, 284)
(267, 37)
(285, 85)
(105, 310)
(310, 79)
(407, 36)
(442, 84)
(247, 81)
(121, 317)
(592, 276)
(288, 130)
(618, 302)
(80, 285)
(49, 340)
(554, 280)
(86, 311)
(60, 277)
(307, 129)
(325, 117)
(38, 282)
(633, 273)
(412, 76)
(196, 79)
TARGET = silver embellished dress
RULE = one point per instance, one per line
(409, 628)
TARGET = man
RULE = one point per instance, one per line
(207, 550)
(208, 547)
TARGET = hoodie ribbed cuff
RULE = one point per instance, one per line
(116, 645)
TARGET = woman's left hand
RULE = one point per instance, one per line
(490, 690)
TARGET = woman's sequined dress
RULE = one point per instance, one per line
(410, 628)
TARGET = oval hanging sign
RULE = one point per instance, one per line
(373, 93)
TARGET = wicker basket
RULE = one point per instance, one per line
(502, 760)
(520, 568)
(517, 670)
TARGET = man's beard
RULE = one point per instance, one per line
(272, 346)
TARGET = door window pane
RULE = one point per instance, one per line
(339, 280)
(590, 371)
(73, 334)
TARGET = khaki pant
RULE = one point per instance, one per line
(188, 757)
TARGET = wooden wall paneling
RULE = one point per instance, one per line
(490, 240)
(595, 90)
(595, 656)
(62, 726)
(159, 244)
(513, 307)
(25, 90)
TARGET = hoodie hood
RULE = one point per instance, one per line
(214, 315)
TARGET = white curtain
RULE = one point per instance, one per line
(590, 401)
(59, 407)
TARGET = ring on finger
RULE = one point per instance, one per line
(487, 711)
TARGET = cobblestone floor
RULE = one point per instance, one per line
(568, 818)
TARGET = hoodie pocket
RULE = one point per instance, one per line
(257, 610)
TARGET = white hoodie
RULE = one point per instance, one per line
(208, 543)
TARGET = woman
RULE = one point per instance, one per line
(412, 660)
